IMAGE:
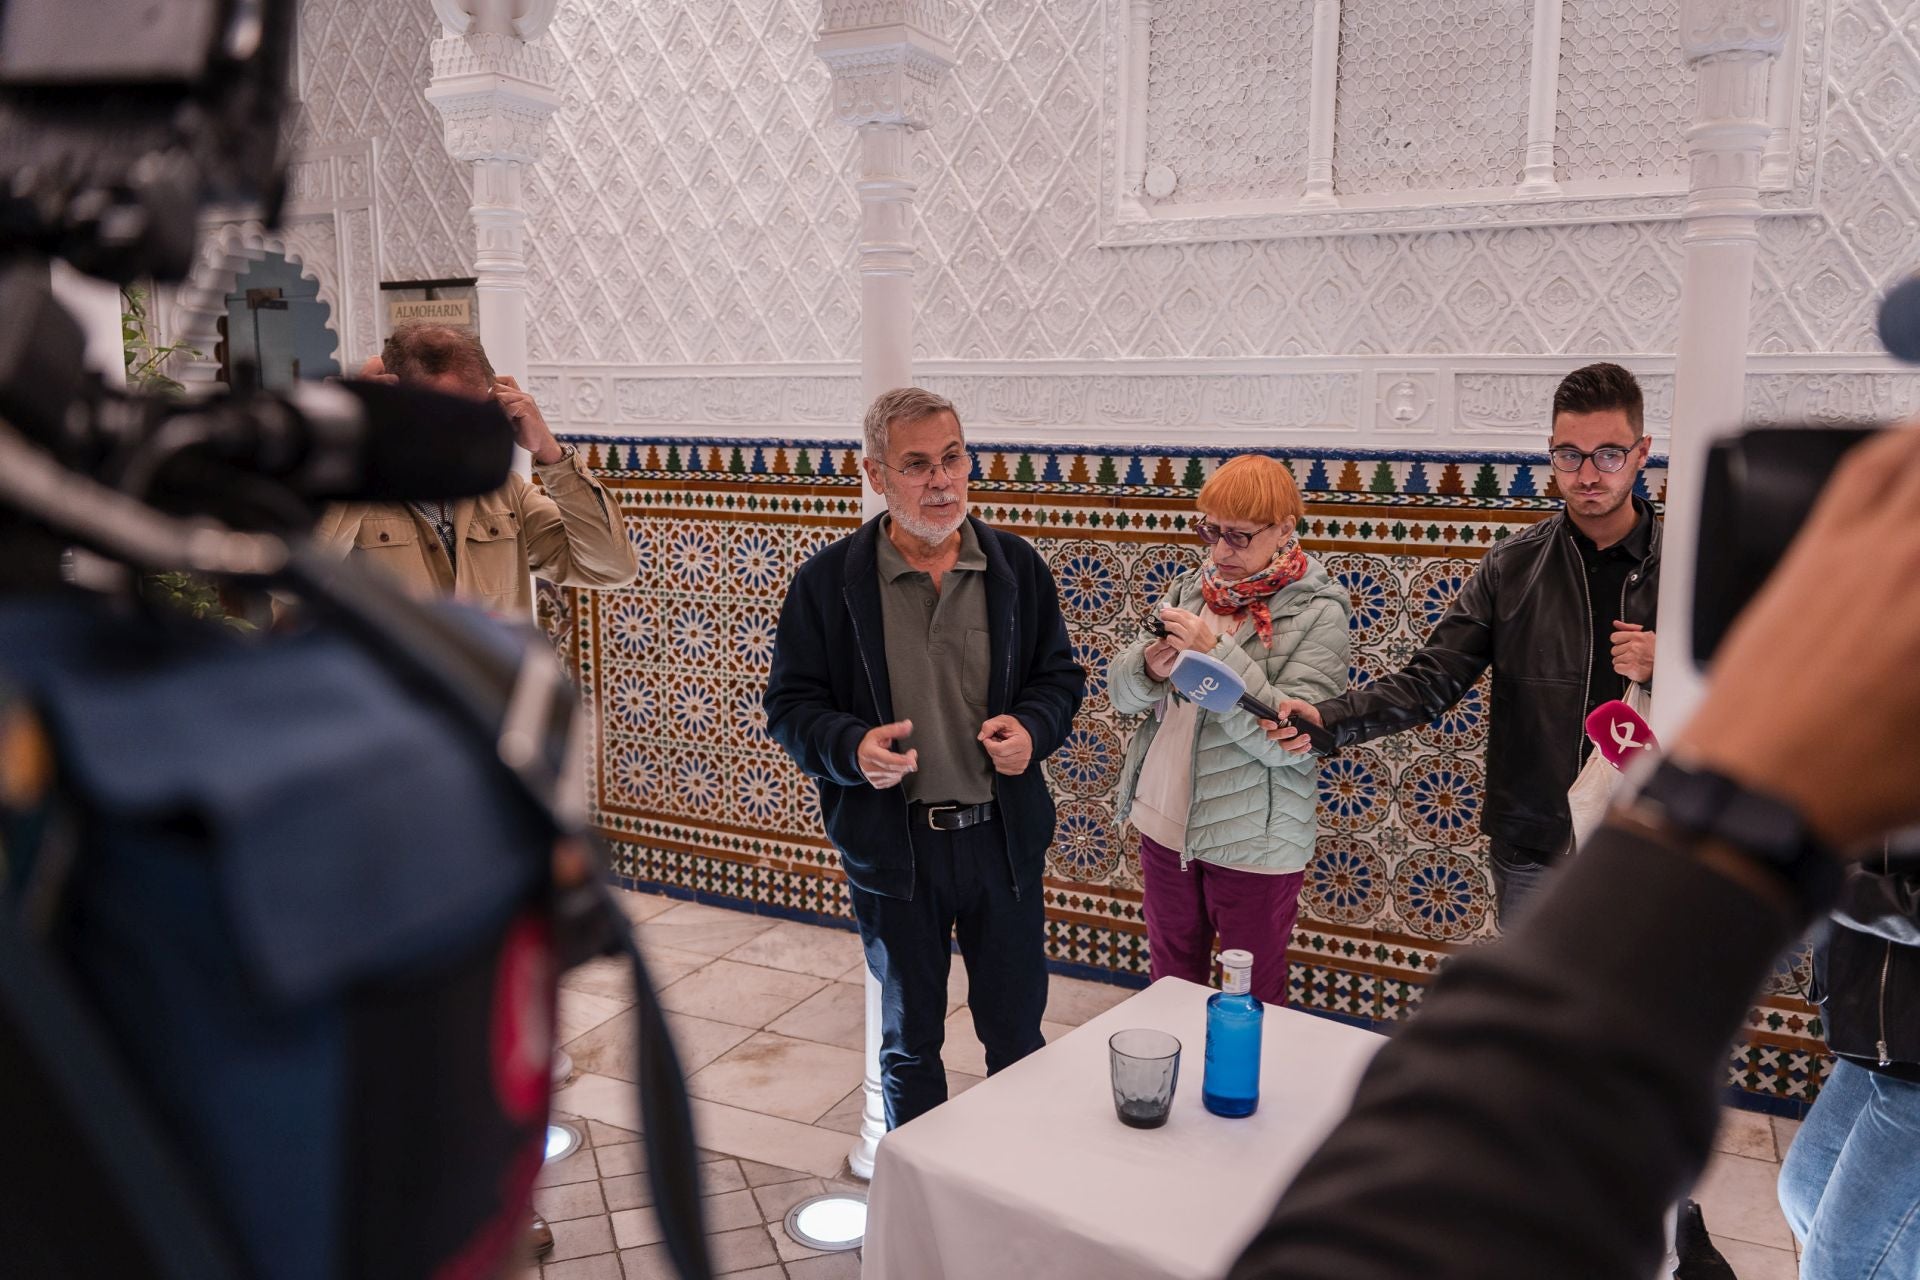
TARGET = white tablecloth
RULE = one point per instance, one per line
(1031, 1174)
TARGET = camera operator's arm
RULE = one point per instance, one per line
(575, 535)
(1560, 1084)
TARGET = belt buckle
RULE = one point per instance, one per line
(933, 809)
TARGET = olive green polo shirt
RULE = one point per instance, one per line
(939, 657)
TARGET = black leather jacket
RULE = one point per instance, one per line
(1524, 612)
(1867, 969)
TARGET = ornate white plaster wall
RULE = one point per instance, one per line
(693, 218)
(364, 72)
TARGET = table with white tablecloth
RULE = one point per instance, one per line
(1030, 1173)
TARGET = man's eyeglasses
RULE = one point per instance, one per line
(957, 466)
(1211, 533)
(1608, 457)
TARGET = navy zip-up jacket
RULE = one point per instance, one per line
(829, 687)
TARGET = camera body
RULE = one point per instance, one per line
(120, 120)
(1760, 486)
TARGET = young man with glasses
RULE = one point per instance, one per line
(921, 673)
(1563, 612)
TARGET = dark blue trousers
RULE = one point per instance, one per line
(962, 888)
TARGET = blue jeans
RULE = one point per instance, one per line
(1850, 1185)
(1518, 876)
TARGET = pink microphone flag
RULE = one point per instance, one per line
(1619, 733)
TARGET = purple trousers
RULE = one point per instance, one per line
(1185, 909)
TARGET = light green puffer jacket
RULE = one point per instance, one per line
(1254, 803)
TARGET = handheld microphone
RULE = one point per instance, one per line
(1211, 683)
(1619, 733)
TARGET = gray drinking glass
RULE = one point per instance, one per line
(1146, 1068)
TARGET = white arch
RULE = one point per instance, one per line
(227, 250)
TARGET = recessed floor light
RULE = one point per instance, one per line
(562, 1141)
(832, 1223)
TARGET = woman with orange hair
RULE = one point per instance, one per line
(1226, 817)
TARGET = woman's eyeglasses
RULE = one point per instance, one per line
(1211, 533)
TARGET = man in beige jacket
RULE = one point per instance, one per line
(482, 550)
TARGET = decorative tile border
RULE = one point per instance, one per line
(697, 799)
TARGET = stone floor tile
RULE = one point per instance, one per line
(745, 995)
(1746, 1133)
(704, 930)
(601, 1266)
(568, 1200)
(803, 948)
(828, 1266)
(779, 1076)
(579, 1237)
(1736, 1195)
(777, 1199)
(1072, 1001)
(835, 1015)
(762, 1175)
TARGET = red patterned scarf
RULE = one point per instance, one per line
(1250, 594)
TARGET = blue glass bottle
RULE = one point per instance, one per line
(1231, 1085)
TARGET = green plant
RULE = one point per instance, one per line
(146, 359)
(194, 596)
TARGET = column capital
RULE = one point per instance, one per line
(1710, 28)
(524, 19)
(495, 93)
(887, 58)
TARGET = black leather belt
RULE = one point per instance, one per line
(951, 817)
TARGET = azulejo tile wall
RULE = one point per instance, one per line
(694, 795)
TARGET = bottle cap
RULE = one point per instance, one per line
(1236, 968)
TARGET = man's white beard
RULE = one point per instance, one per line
(910, 519)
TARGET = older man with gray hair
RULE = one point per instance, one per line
(921, 673)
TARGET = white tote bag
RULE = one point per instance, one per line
(1592, 791)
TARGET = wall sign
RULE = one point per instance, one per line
(458, 311)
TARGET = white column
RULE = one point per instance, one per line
(886, 261)
(1543, 103)
(886, 59)
(1139, 34)
(1731, 43)
(1783, 93)
(500, 263)
(493, 89)
(1318, 191)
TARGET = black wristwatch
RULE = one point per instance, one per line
(1705, 805)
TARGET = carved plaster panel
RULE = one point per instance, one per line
(695, 207)
(366, 68)
(1431, 125)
